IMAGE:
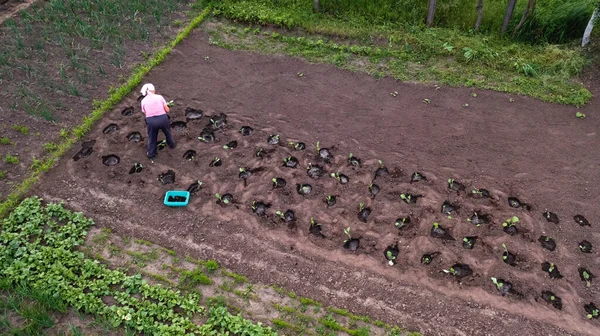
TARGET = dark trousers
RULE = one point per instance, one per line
(155, 124)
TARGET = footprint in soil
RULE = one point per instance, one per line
(193, 114)
(111, 160)
(189, 154)
(178, 126)
(552, 299)
(460, 270)
(547, 243)
(585, 246)
(582, 221)
(437, 231)
(514, 202)
(110, 129)
(551, 217)
(246, 130)
(127, 111)
(167, 177)
(551, 269)
(134, 137)
(391, 254)
(87, 148)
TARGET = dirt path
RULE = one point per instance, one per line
(510, 145)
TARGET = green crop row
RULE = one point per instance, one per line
(38, 251)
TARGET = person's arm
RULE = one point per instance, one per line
(165, 105)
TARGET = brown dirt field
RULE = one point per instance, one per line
(536, 151)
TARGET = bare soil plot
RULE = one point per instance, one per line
(511, 146)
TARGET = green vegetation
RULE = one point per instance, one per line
(42, 257)
(21, 129)
(2, 174)
(191, 279)
(433, 55)
(5, 141)
(11, 159)
(101, 107)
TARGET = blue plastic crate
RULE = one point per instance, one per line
(183, 193)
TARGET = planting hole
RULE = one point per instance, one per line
(128, 111)
(134, 137)
(110, 129)
(111, 160)
(193, 114)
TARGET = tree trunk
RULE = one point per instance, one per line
(430, 13)
(509, 12)
(479, 14)
(588, 29)
(528, 11)
(316, 5)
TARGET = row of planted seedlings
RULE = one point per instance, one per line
(324, 157)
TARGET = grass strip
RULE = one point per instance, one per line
(101, 107)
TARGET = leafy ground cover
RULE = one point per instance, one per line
(444, 56)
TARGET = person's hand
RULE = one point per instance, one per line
(170, 103)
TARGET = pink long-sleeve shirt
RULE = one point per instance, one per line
(153, 105)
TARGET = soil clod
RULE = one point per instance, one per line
(547, 243)
(189, 154)
(437, 231)
(551, 269)
(134, 137)
(551, 217)
(582, 221)
(110, 129)
(167, 177)
(585, 246)
(137, 168)
(391, 254)
(246, 130)
(127, 111)
(111, 160)
(290, 162)
(303, 189)
(552, 299)
(193, 114)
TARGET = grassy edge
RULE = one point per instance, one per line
(100, 107)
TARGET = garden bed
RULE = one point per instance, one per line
(511, 146)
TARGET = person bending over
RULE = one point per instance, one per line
(155, 108)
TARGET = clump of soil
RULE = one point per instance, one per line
(416, 177)
(552, 270)
(437, 231)
(552, 299)
(246, 130)
(547, 243)
(260, 208)
(111, 160)
(127, 111)
(315, 171)
(363, 213)
(391, 254)
(469, 242)
(110, 129)
(193, 114)
(134, 137)
(514, 202)
(87, 148)
(137, 168)
(456, 185)
(585, 246)
(189, 154)
(460, 270)
(216, 162)
(551, 217)
(582, 221)
(353, 160)
(167, 177)
(585, 275)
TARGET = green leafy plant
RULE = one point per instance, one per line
(510, 221)
(11, 159)
(580, 115)
(5, 141)
(21, 129)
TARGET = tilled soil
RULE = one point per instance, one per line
(511, 146)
